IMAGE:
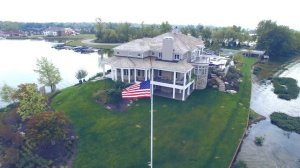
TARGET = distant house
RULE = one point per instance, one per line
(3, 34)
(54, 31)
(59, 31)
(12, 33)
(177, 63)
(69, 31)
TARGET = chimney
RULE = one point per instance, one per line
(167, 48)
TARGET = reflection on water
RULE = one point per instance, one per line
(280, 148)
(18, 59)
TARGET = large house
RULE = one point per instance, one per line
(174, 62)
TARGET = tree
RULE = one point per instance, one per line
(7, 93)
(31, 101)
(278, 41)
(165, 27)
(47, 128)
(80, 74)
(100, 28)
(48, 74)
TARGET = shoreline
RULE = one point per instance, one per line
(281, 69)
(72, 41)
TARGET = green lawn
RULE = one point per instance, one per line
(203, 131)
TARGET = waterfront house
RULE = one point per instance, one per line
(54, 31)
(176, 63)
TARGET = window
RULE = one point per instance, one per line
(118, 52)
(160, 55)
(159, 72)
(139, 54)
(176, 56)
(138, 73)
(152, 53)
(125, 71)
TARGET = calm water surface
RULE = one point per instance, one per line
(18, 60)
(280, 148)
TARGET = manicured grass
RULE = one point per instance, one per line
(203, 131)
(286, 122)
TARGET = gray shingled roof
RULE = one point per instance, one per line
(147, 63)
(182, 43)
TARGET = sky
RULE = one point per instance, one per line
(245, 13)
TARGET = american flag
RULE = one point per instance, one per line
(137, 90)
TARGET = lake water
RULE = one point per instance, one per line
(18, 60)
(280, 148)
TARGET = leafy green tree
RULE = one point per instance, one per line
(278, 41)
(31, 101)
(110, 36)
(165, 27)
(48, 74)
(7, 93)
(81, 74)
(100, 28)
(47, 128)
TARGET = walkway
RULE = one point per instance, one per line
(221, 84)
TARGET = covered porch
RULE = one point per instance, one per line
(173, 93)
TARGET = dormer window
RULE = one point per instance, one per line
(176, 56)
(139, 54)
(118, 53)
(152, 53)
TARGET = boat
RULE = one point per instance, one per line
(59, 46)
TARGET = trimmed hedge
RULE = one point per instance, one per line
(286, 88)
(286, 122)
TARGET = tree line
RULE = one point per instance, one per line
(229, 37)
(83, 27)
(124, 32)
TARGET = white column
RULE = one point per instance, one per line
(183, 94)
(174, 78)
(149, 74)
(174, 82)
(184, 79)
(134, 75)
(190, 75)
(128, 75)
(122, 74)
(145, 74)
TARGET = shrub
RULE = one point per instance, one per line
(101, 95)
(259, 141)
(114, 95)
(286, 122)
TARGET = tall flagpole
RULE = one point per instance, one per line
(151, 136)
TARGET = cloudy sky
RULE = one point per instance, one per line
(245, 13)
